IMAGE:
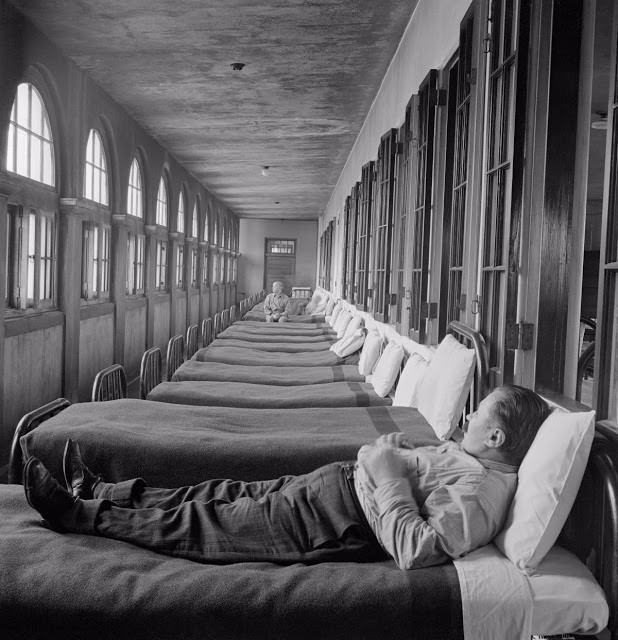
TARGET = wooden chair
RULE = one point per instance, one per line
(191, 340)
(206, 331)
(109, 384)
(175, 355)
(217, 324)
(29, 422)
(149, 371)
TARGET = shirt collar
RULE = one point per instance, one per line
(494, 465)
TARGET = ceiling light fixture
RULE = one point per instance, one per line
(237, 66)
(265, 170)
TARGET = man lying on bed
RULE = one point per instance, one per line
(421, 505)
(276, 304)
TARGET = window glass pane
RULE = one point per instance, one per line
(161, 212)
(10, 149)
(36, 117)
(134, 196)
(23, 100)
(48, 164)
(31, 258)
(180, 224)
(22, 152)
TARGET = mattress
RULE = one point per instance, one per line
(256, 358)
(172, 445)
(267, 375)
(258, 316)
(263, 396)
(235, 333)
(76, 587)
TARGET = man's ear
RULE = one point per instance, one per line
(496, 438)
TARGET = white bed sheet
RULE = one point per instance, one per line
(499, 601)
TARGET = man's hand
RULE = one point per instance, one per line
(396, 439)
(382, 463)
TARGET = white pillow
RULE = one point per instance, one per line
(343, 321)
(409, 381)
(340, 318)
(349, 344)
(330, 305)
(548, 481)
(386, 370)
(567, 598)
(354, 325)
(313, 303)
(370, 353)
(336, 311)
(445, 386)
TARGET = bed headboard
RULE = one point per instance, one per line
(591, 530)
(473, 340)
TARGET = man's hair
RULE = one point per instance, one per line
(520, 412)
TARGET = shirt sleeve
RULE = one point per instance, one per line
(454, 521)
(267, 308)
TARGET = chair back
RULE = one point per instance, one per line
(191, 340)
(149, 371)
(109, 384)
(29, 422)
(175, 355)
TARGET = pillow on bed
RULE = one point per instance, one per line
(343, 321)
(340, 319)
(354, 325)
(330, 305)
(313, 303)
(387, 368)
(406, 393)
(370, 353)
(349, 344)
(445, 386)
(548, 481)
(336, 311)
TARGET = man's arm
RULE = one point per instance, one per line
(454, 522)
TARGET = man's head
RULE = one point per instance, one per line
(505, 424)
(277, 287)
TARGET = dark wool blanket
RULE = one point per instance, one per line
(171, 445)
(263, 396)
(257, 358)
(237, 333)
(301, 322)
(282, 346)
(284, 376)
(78, 587)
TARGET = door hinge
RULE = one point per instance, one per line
(519, 335)
(429, 310)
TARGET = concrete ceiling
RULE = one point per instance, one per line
(312, 69)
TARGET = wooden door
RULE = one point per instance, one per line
(280, 263)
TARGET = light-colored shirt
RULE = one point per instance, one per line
(275, 303)
(450, 504)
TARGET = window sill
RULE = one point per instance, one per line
(95, 308)
(19, 323)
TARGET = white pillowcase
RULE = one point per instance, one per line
(370, 353)
(386, 370)
(330, 305)
(548, 481)
(336, 311)
(445, 386)
(354, 325)
(340, 318)
(409, 381)
(343, 321)
(349, 344)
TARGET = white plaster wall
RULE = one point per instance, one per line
(251, 246)
(430, 39)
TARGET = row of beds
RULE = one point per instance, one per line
(259, 401)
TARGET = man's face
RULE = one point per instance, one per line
(277, 287)
(479, 426)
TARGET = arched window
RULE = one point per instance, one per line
(30, 149)
(194, 221)
(95, 170)
(180, 221)
(135, 195)
(161, 213)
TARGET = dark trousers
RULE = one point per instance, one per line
(309, 518)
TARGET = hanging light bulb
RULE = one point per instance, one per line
(265, 170)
